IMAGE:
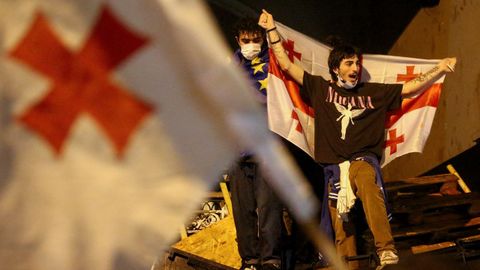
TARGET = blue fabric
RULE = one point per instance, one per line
(257, 70)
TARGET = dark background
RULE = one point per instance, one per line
(372, 25)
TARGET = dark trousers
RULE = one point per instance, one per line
(257, 213)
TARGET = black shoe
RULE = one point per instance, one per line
(271, 266)
(249, 266)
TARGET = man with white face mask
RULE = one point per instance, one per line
(349, 136)
(257, 212)
(252, 54)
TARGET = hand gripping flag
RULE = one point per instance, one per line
(406, 130)
(115, 118)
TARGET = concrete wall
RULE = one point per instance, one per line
(450, 29)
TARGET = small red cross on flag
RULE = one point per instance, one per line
(408, 76)
(393, 141)
(289, 46)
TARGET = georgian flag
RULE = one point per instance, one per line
(406, 130)
(115, 119)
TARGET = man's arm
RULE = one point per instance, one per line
(266, 22)
(420, 83)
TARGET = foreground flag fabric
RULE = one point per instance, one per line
(90, 175)
(291, 117)
(112, 129)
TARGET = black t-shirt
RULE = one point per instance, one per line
(349, 123)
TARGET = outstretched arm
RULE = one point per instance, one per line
(266, 22)
(420, 83)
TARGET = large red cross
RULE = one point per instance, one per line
(289, 46)
(394, 141)
(81, 81)
(408, 76)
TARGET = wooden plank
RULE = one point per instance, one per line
(419, 181)
(409, 205)
(432, 228)
(438, 246)
(433, 247)
(215, 195)
(462, 183)
(469, 239)
(199, 262)
(171, 261)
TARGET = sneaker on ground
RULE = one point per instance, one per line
(248, 266)
(388, 257)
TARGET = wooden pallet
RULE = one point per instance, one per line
(426, 217)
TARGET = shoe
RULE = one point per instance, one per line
(249, 266)
(319, 262)
(270, 266)
(388, 257)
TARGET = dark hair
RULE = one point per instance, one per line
(340, 51)
(247, 25)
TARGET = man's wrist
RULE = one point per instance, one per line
(271, 29)
(275, 42)
(273, 35)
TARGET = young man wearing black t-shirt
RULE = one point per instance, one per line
(349, 143)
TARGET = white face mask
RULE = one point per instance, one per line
(250, 50)
(346, 84)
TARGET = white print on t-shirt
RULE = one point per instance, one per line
(346, 116)
(354, 101)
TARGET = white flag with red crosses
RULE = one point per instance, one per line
(115, 119)
(406, 130)
(95, 171)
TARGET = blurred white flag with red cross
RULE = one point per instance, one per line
(291, 117)
(115, 119)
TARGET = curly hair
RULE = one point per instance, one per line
(248, 25)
